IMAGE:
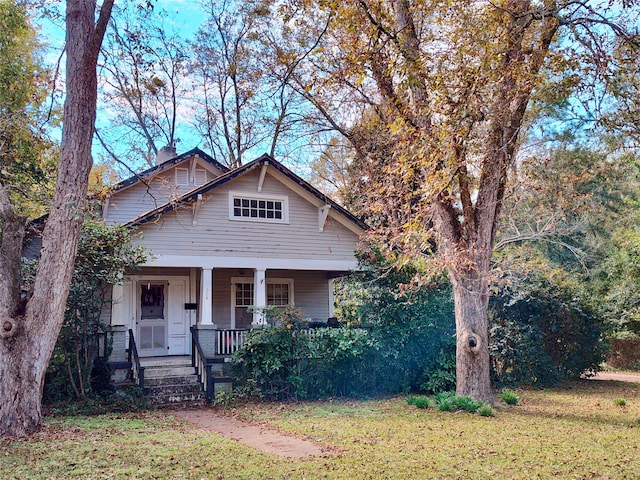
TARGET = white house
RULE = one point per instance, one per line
(221, 241)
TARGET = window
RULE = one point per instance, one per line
(182, 176)
(258, 208)
(201, 175)
(152, 301)
(278, 294)
(244, 294)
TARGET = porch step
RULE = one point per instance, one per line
(172, 384)
(162, 372)
(175, 360)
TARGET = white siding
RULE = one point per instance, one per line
(215, 235)
(310, 291)
(127, 204)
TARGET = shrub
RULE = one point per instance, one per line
(444, 401)
(542, 334)
(509, 397)
(466, 403)
(619, 402)
(413, 327)
(485, 411)
(419, 401)
(77, 369)
(624, 351)
(449, 402)
(271, 358)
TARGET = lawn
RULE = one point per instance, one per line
(585, 430)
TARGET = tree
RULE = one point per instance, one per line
(104, 253)
(25, 151)
(28, 334)
(143, 71)
(231, 116)
(446, 90)
(243, 69)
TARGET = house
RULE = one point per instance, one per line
(223, 243)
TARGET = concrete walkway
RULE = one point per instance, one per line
(618, 376)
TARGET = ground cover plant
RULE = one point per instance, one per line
(573, 432)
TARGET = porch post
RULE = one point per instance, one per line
(259, 297)
(206, 292)
(117, 305)
(331, 286)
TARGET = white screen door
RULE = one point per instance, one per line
(152, 318)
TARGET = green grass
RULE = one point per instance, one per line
(574, 432)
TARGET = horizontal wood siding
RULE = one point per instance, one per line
(222, 295)
(157, 190)
(312, 294)
(310, 290)
(139, 198)
(216, 235)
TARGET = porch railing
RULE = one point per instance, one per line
(137, 370)
(203, 367)
(230, 341)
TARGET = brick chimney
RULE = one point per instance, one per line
(166, 153)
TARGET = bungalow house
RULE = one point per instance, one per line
(222, 243)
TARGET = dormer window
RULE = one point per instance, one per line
(258, 208)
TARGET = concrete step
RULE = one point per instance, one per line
(177, 400)
(169, 371)
(177, 360)
(173, 388)
(163, 381)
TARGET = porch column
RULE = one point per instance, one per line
(331, 285)
(117, 305)
(259, 297)
(206, 292)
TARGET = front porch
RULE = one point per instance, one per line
(180, 380)
(160, 305)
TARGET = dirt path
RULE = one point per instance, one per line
(256, 436)
(619, 376)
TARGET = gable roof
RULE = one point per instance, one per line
(169, 163)
(264, 160)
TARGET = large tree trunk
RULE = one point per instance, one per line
(26, 349)
(470, 293)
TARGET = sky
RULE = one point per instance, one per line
(186, 17)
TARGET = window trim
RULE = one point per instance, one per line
(279, 280)
(258, 196)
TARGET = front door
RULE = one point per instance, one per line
(152, 318)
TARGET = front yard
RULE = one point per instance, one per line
(589, 429)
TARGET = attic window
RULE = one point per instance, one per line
(258, 208)
(200, 177)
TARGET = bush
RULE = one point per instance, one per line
(123, 400)
(450, 402)
(624, 351)
(403, 342)
(78, 369)
(271, 358)
(619, 402)
(543, 335)
(509, 397)
(444, 401)
(419, 401)
(485, 411)
(413, 327)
